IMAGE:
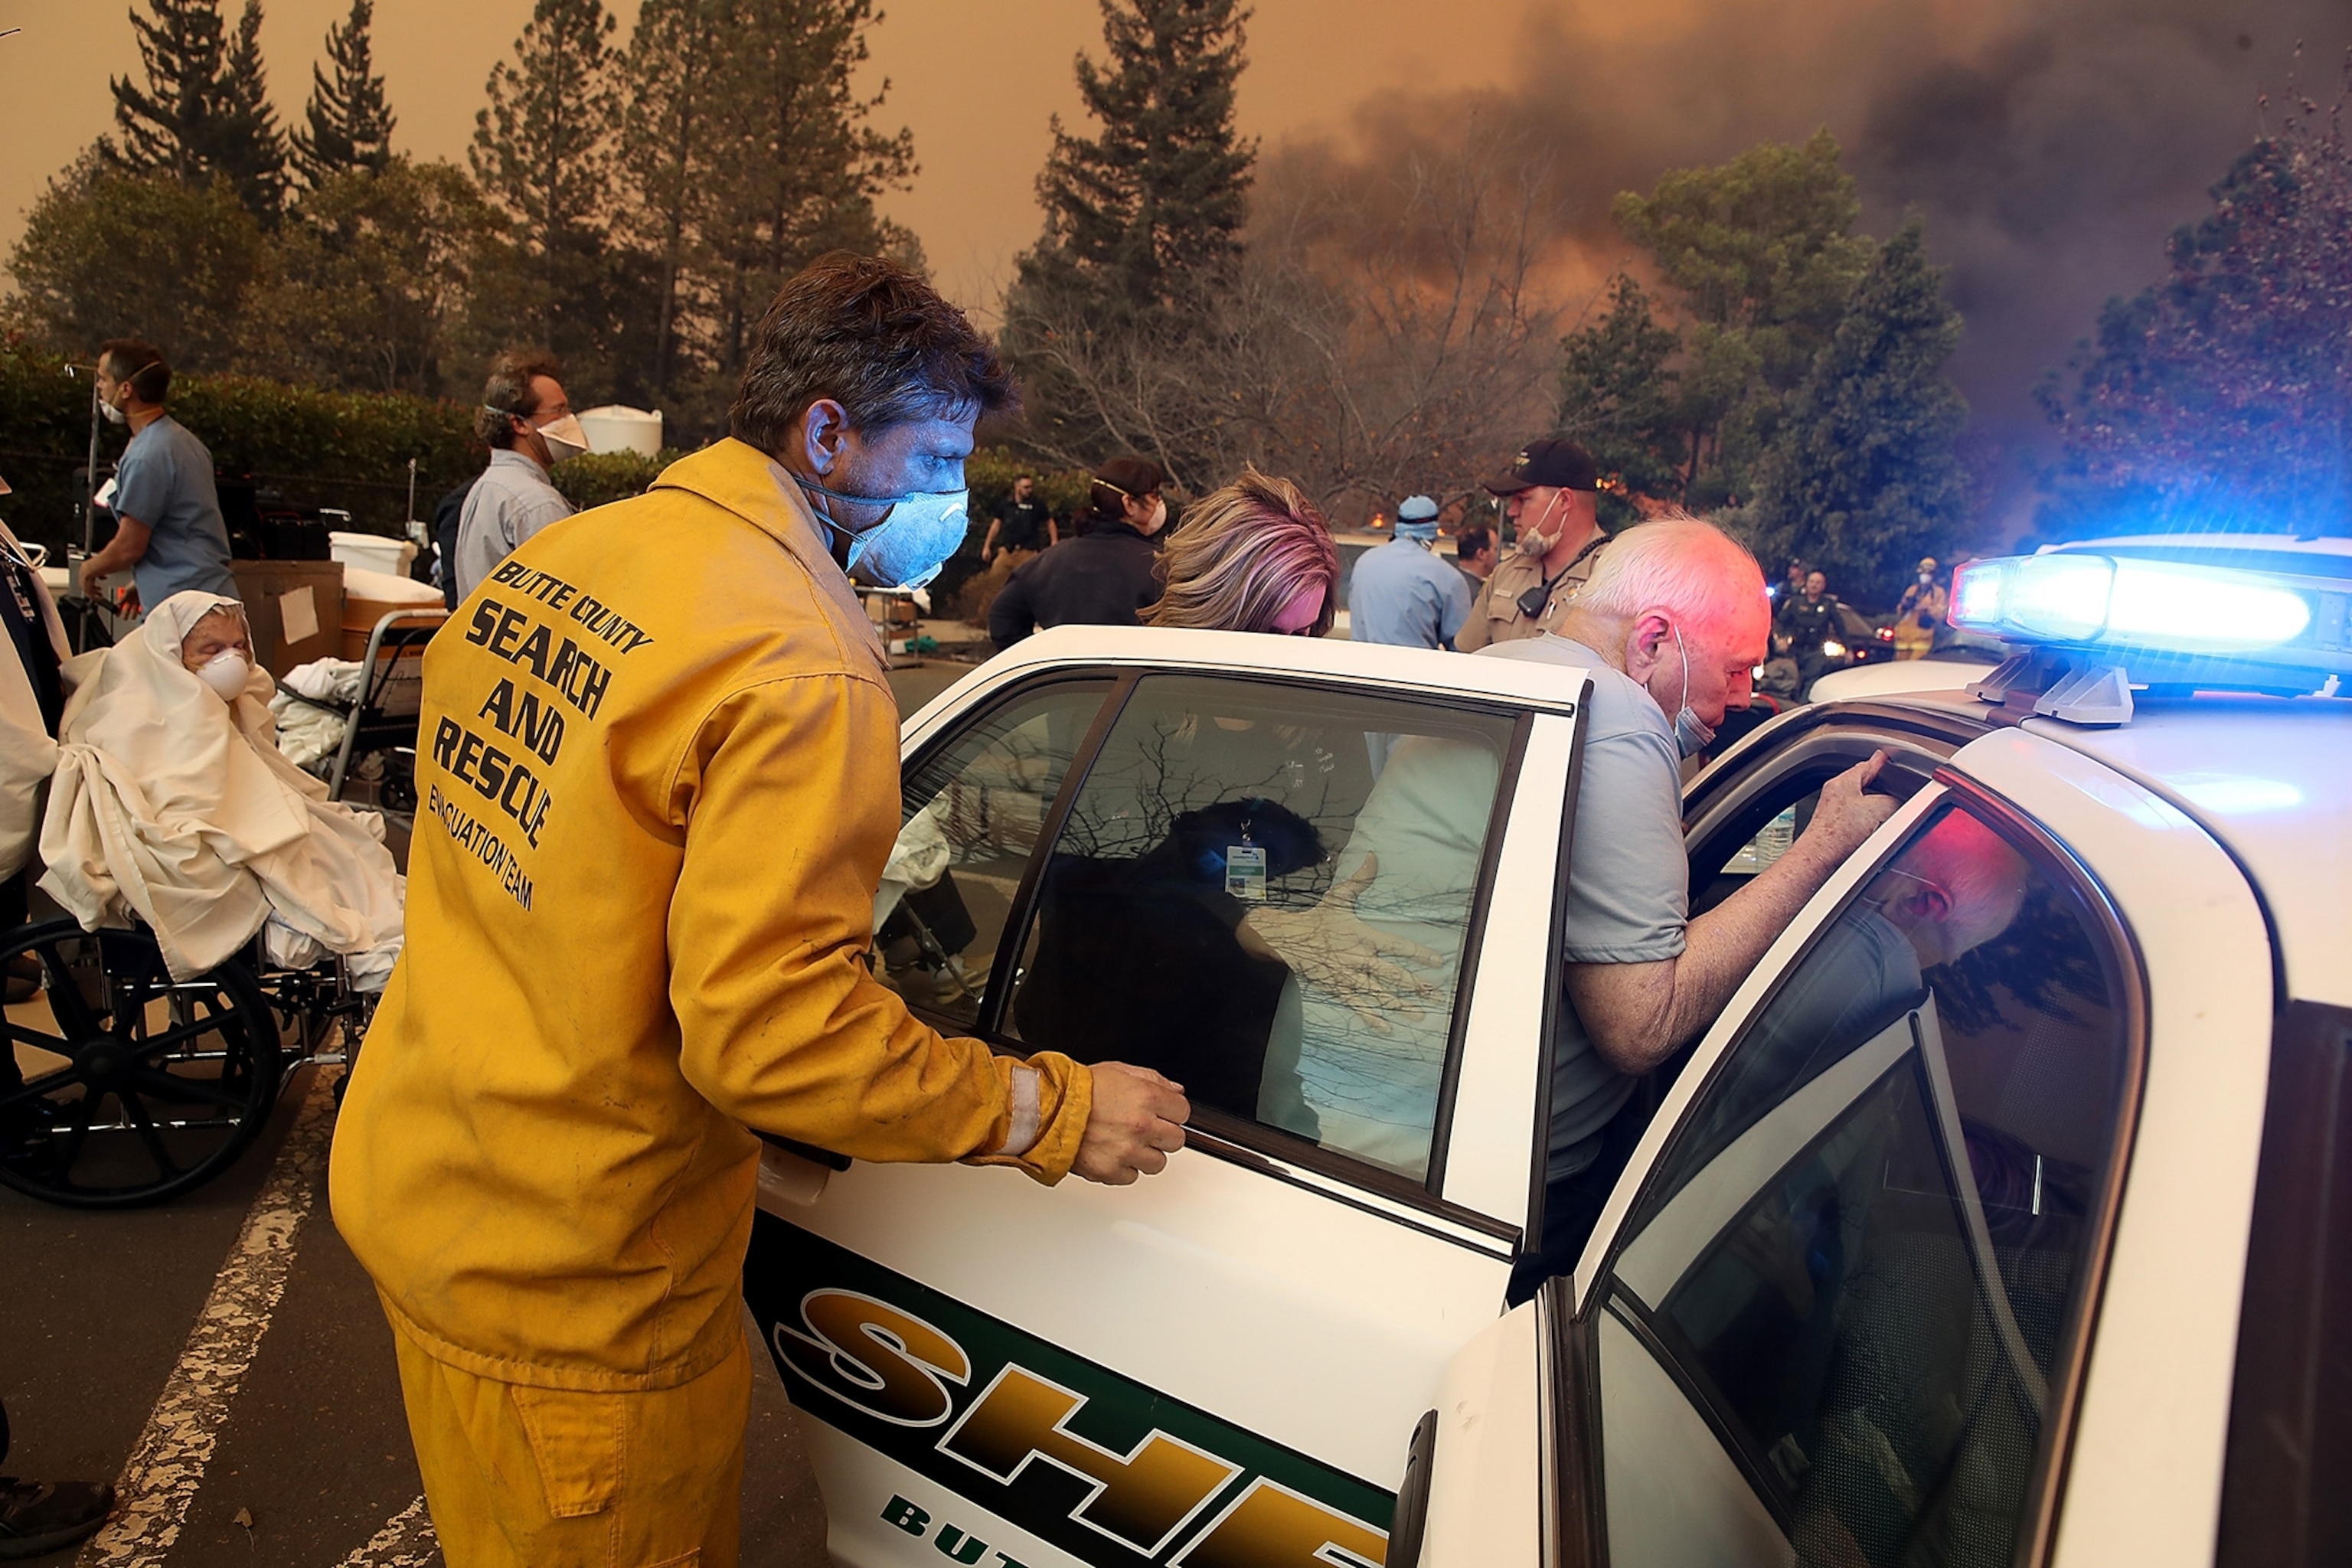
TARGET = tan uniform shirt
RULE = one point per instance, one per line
(1496, 616)
(658, 772)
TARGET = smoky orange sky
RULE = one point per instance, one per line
(2051, 146)
(976, 80)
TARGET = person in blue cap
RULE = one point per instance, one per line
(1401, 592)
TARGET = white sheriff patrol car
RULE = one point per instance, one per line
(2004, 1217)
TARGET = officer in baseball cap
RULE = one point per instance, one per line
(1550, 491)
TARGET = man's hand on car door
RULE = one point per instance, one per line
(1138, 1121)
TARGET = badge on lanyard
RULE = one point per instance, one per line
(20, 584)
(1245, 868)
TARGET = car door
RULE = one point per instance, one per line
(1220, 1363)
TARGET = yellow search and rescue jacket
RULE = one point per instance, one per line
(658, 778)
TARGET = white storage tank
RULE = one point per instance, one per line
(616, 428)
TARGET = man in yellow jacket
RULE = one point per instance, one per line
(659, 773)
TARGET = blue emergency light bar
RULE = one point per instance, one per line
(2164, 622)
(2090, 601)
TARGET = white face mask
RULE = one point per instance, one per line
(114, 413)
(564, 437)
(1159, 517)
(226, 673)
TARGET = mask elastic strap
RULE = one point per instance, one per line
(813, 487)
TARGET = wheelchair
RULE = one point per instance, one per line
(143, 1087)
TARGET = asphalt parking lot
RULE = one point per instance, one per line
(265, 1432)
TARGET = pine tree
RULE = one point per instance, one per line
(796, 170)
(540, 153)
(161, 126)
(349, 124)
(1617, 397)
(676, 121)
(248, 148)
(1861, 479)
(1142, 236)
(205, 109)
(1144, 218)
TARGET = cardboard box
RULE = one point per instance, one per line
(304, 597)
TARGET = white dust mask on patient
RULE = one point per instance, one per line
(226, 673)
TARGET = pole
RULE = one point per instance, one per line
(412, 493)
(89, 503)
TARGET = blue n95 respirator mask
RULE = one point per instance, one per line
(1693, 734)
(912, 541)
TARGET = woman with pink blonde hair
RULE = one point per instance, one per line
(1254, 556)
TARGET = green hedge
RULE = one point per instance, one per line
(603, 477)
(346, 450)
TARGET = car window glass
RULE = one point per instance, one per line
(973, 811)
(1862, 1249)
(1265, 892)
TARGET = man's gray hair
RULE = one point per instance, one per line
(1679, 564)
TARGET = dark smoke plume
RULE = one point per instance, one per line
(2050, 144)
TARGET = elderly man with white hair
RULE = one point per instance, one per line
(1671, 623)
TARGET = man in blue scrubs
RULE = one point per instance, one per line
(168, 532)
(1401, 592)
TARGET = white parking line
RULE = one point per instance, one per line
(407, 1540)
(167, 1465)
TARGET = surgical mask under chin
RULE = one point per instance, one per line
(1693, 734)
(912, 541)
(226, 673)
(1533, 542)
(564, 439)
(114, 413)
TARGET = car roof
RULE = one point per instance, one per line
(1899, 676)
(1523, 682)
(2267, 776)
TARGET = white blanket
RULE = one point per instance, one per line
(307, 733)
(173, 805)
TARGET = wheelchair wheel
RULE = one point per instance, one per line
(135, 1088)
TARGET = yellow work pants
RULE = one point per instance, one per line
(539, 1477)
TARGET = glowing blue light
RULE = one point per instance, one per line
(2084, 598)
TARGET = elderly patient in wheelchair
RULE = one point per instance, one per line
(172, 804)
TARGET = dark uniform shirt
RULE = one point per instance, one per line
(20, 609)
(1809, 623)
(1496, 617)
(1021, 524)
(1098, 579)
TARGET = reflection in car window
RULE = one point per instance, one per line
(1863, 1247)
(1244, 901)
(973, 811)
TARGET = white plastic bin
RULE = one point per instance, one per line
(373, 552)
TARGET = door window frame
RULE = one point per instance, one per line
(1578, 1528)
(1268, 1150)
